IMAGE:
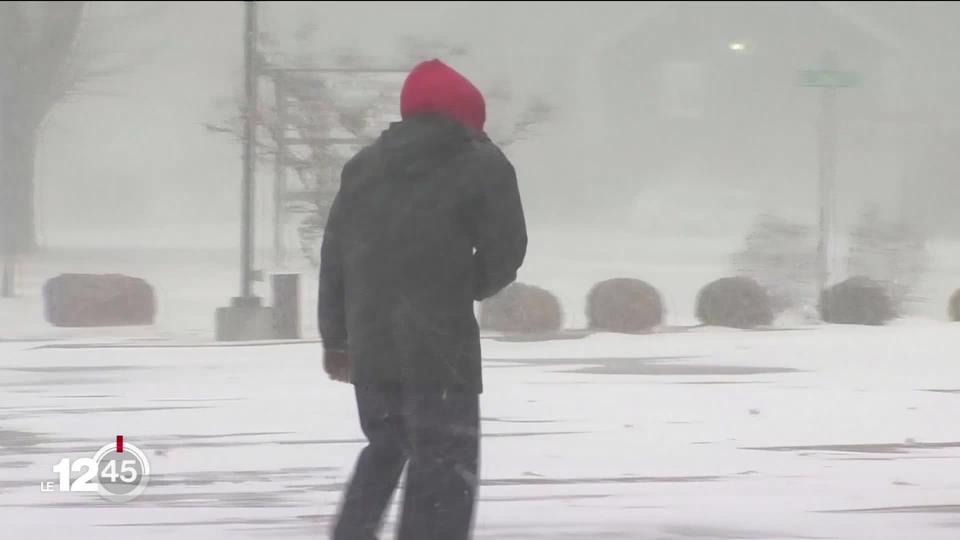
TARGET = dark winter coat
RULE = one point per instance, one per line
(428, 220)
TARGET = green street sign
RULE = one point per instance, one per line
(829, 78)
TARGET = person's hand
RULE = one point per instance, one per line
(337, 364)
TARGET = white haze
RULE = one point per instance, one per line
(139, 156)
(632, 169)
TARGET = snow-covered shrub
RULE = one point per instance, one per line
(624, 305)
(781, 256)
(954, 307)
(523, 309)
(891, 253)
(89, 300)
(858, 300)
(737, 302)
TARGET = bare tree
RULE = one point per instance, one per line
(890, 252)
(36, 40)
(330, 115)
(48, 51)
(780, 256)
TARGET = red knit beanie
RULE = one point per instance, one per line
(434, 87)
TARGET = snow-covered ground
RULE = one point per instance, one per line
(831, 432)
(812, 432)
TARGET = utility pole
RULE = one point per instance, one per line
(7, 222)
(279, 170)
(249, 145)
(246, 318)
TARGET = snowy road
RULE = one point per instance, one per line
(847, 433)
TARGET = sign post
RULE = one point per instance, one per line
(828, 79)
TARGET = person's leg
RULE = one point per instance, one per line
(379, 465)
(442, 474)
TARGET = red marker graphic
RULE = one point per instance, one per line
(119, 444)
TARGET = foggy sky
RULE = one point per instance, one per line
(137, 157)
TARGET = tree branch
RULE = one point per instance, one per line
(44, 61)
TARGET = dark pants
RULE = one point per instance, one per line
(437, 435)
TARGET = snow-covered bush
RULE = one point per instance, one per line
(858, 300)
(781, 256)
(91, 300)
(624, 305)
(523, 309)
(737, 302)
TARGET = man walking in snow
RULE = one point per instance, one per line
(428, 219)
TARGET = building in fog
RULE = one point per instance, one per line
(707, 99)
